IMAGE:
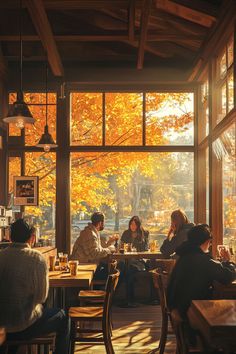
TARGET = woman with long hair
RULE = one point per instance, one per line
(180, 225)
(137, 237)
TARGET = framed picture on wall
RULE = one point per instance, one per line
(25, 190)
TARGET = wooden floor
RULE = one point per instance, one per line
(136, 331)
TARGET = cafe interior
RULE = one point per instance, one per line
(127, 107)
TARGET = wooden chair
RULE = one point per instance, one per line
(96, 296)
(47, 341)
(160, 279)
(98, 314)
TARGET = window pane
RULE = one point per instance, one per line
(230, 49)
(204, 112)
(14, 170)
(86, 118)
(13, 130)
(169, 118)
(229, 183)
(40, 98)
(43, 165)
(222, 103)
(33, 132)
(124, 118)
(230, 92)
(222, 65)
(150, 185)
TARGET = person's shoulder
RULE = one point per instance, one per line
(35, 255)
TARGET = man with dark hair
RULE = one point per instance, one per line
(24, 288)
(195, 271)
(88, 248)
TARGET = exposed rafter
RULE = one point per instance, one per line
(131, 20)
(143, 32)
(43, 28)
(185, 12)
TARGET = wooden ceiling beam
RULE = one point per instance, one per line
(143, 32)
(151, 37)
(185, 12)
(43, 28)
(3, 66)
(131, 14)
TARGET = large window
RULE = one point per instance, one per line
(225, 81)
(131, 119)
(35, 163)
(150, 185)
(121, 184)
(203, 121)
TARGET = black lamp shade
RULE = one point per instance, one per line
(19, 111)
(46, 139)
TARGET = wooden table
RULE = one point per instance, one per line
(59, 280)
(136, 255)
(216, 321)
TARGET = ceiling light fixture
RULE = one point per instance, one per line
(19, 112)
(46, 141)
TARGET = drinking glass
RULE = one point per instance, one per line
(63, 260)
(73, 265)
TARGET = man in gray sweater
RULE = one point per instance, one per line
(24, 289)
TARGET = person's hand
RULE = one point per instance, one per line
(224, 254)
(112, 249)
(113, 238)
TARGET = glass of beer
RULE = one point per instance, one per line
(52, 262)
(73, 265)
(63, 260)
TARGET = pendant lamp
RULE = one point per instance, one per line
(46, 141)
(19, 112)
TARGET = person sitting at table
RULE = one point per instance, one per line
(180, 225)
(137, 237)
(195, 271)
(88, 248)
(24, 290)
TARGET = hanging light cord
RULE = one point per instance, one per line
(46, 81)
(21, 49)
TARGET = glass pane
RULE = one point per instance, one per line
(124, 118)
(231, 92)
(230, 49)
(169, 118)
(204, 112)
(40, 98)
(222, 103)
(150, 185)
(14, 170)
(33, 132)
(229, 184)
(86, 118)
(222, 65)
(13, 130)
(43, 216)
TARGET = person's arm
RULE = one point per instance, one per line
(169, 246)
(94, 250)
(222, 272)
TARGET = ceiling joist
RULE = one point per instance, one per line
(43, 28)
(143, 32)
(185, 12)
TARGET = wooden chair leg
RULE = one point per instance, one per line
(73, 336)
(107, 338)
(164, 331)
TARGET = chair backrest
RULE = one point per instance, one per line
(112, 266)
(160, 280)
(111, 284)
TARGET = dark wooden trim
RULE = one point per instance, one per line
(224, 124)
(196, 164)
(201, 187)
(103, 119)
(131, 14)
(144, 120)
(143, 32)
(63, 230)
(112, 148)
